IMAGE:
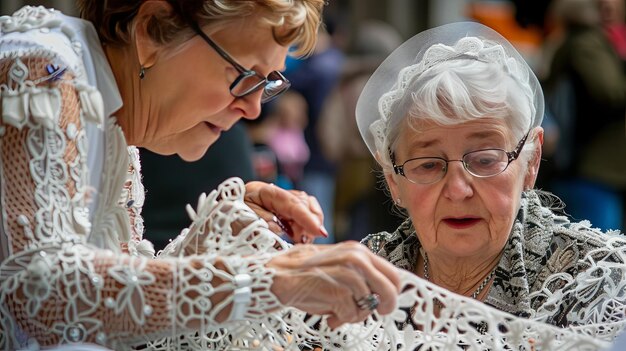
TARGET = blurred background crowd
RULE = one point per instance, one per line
(307, 138)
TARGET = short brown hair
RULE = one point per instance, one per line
(294, 22)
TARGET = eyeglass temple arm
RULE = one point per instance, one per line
(224, 54)
(513, 155)
(397, 169)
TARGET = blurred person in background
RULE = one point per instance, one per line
(613, 20)
(361, 206)
(285, 135)
(586, 92)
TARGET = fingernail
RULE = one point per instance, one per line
(323, 231)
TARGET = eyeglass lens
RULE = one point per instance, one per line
(482, 163)
(250, 81)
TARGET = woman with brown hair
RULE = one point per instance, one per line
(168, 76)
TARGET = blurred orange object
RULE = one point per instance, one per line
(500, 16)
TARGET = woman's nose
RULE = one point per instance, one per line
(457, 182)
(250, 104)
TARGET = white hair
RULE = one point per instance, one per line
(458, 91)
(449, 75)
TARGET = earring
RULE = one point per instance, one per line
(398, 202)
(142, 72)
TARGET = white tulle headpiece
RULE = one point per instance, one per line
(386, 95)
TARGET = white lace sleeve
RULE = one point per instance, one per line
(55, 285)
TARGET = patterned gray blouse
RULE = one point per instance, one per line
(551, 270)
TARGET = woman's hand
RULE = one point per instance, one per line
(294, 212)
(330, 279)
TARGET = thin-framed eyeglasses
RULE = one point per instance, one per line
(248, 80)
(482, 163)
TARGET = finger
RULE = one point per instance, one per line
(334, 322)
(271, 219)
(302, 234)
(344, 306)
(347, 312)
(290, 208)
(384, 280)
(389, 270)
(358, 289)
(381, 277)
(309, 201)
(277, 226)
(315, 207)
(299, 234)
(303, 211)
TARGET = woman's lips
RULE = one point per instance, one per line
(461, 223)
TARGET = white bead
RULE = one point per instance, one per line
(101, 338)
(204, 305)
(22, 220)
(147, 310)
(109, 302)
(74, 334)
(96, 280)
(71, 131)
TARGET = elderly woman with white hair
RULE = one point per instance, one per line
(453, 116)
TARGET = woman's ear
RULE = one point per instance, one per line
(534, 162)
(147, 48)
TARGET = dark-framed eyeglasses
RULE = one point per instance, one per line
(248, 80)
(482, 163)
